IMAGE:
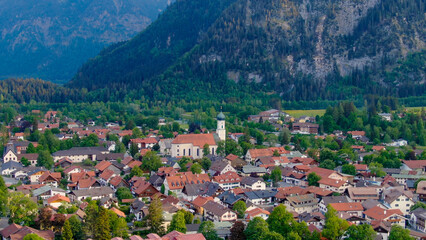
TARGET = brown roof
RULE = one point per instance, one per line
(360, 193)
(102, 165)
(361, 167)
(357, 133)
(349, 206)
(379, 213)
(414, 164)
(228, 177)
(231, 157)
(200, 201)
(86, 183)
(255, 153)
(378, 148)
(24, 231)
(58, 197)
(318, 191)
(56, 176)
(216, 208)
(107, 174)
(331, 182)
(322, 172)
(179, 180)
(118, 212)
(196, 139)
(115, 181)
(9, 230)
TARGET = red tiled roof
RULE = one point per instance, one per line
(361, 167)
(200, 201)
(347, 206)
(118, 212)
(58, 197)
(255, 212)
(378, 148)
(107, 174)
(322, 172)
(379, 213)
(196, 139)
(228, 177)
(414, 164)
(115, 181)
(231, 157)
(357, 133)
(102, 165)
(86, 183)
(255, 153)
(331, 182)
(178, 181)
(133, 164)
(149, 140)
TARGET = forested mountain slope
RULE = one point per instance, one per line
(51, 39)
(296, 49)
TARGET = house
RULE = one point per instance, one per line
(57, 201)
(333, 185)
(199, 202)
(94, 194)
(250, 170)
(176, 182)
(352, 208)
(421, 191)
(215, 212)
(253, 212)
(9, 167)
(79, 154)
(50, 178)
(144, 143)
(393, 216)
(253, 154)
(10, 154)
(386, 116)
(139, 209)
(361, 194)
(418, 219)
(398, 143)
(378, 148)
(416, 165)
(47, 191)
(165, 146)
(192, 145)
(142, 189)
(315, 219)
(236, 162)
(302, 203)
(220, 167)
(325, 201)
(259, 197)
(208, 189)
(253, 183)
(401, 200)
(18, 232)
(307, 128)
(228, 180)
(35, 175)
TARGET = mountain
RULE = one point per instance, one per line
(51, 39)
(293, 49)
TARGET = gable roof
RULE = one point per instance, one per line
(347, 206)
(414, 164)
(216, 208)
(58, 197)
(196, 139)
(103, 165)
(379, 213)
(178, 181)
(255, 153)
(228, 177)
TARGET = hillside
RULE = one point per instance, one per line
(52, 39)
(298, 50)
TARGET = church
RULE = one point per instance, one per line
(191, 145)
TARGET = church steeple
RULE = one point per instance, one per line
(221, 130)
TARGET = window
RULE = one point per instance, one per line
(189, 152)
(184, 152)
(396, 205)
(198, 152)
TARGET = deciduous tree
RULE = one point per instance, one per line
(178, 223)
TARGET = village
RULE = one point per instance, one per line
(200, 175)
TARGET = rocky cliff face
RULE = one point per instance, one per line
(51, 38)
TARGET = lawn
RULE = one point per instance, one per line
(299, 113)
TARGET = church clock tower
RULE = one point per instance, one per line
(221, 131)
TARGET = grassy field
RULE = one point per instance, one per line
(299, 113)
